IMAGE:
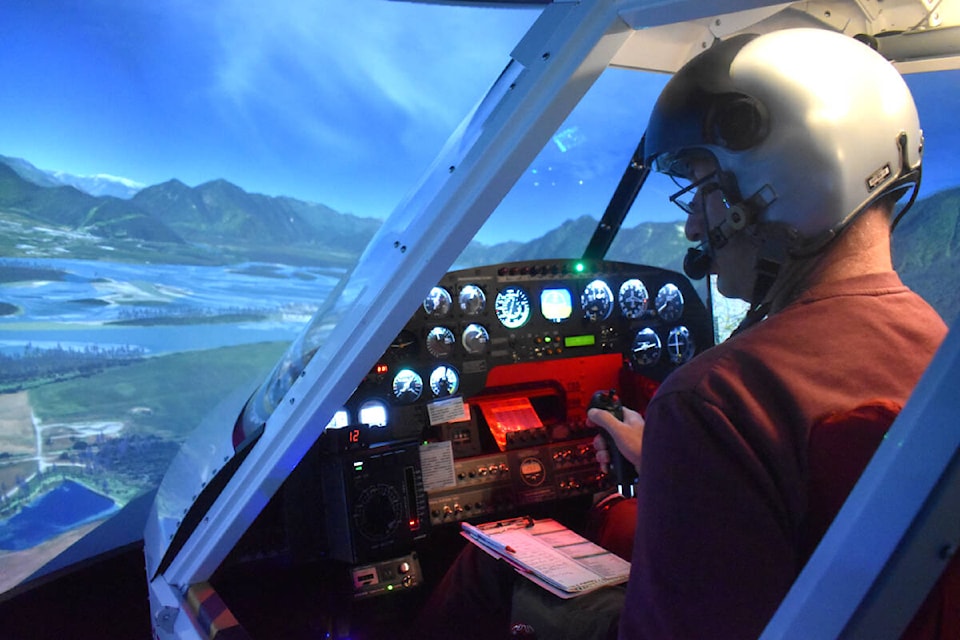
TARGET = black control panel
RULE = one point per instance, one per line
(478, 319)
(477, 410)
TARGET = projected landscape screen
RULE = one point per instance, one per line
(254, 175)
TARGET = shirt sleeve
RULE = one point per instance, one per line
(714, 552)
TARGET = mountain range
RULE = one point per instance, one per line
(212, 222)
(98, 185)
(218, 222)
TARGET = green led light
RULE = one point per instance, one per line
(578, 267)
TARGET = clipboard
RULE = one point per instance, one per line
(549, 554)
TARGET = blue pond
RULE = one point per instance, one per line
(68, 506)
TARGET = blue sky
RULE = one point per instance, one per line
(343, 103)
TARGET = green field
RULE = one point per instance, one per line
(166, 395)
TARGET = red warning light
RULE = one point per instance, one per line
(381, 369)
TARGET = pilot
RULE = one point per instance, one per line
(791, 151)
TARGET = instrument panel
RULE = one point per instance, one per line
(477, 409)
(480, 318)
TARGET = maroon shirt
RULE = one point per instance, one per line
(723, 476)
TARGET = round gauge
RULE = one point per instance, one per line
(444, 381)
(513, 307)
(472, 300)
(378, 512)
(407, 385)
(669, 303)
(437, 302)
(633, 298)
(402, 347)
(597, 301)
(646, 348)
(373, 413)
(680, 345)
(440, 342)
(475, 339)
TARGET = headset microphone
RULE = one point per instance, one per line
(696, 263)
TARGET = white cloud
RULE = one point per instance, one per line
(318, 64)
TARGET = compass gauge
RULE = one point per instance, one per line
(597, 301)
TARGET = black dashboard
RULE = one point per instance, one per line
(476, 320)
(477, 409)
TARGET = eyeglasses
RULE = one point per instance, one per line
(684, 198)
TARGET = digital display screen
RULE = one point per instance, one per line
(580, 341)
(556, 305)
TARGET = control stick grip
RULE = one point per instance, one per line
(620, 468)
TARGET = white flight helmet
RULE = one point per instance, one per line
(812, 126)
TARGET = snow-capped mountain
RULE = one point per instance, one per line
(101, 184)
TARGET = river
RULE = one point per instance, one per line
(178, 307)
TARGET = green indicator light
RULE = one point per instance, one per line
(546, 339)
(579, 267)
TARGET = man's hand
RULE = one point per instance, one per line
(628, 435)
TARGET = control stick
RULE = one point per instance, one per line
(620, 468)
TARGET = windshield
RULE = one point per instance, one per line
(181, 188)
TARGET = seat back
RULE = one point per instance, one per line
(840, 447)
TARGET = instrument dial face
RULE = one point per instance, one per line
(512, 307)
(378, 512)
(597, 301)
(475, 339)
(680, 345)
(472, 300)
(440, 342)
(633, 298)
(373, 413)
(407, 385)
(444, 381)
(669, 303)
(438, 302)
(403, 346)
(646, 348)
